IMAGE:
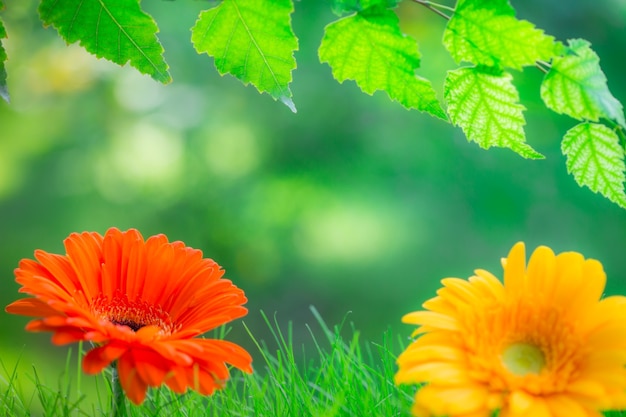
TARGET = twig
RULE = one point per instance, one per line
(433, 8)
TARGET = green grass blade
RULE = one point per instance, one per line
(4, 92)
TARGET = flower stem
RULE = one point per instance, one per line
(118, 408)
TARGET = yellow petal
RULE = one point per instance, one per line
(515, 270)
(444, 373)
(458, 292)
(419, 411)
(440, 305)
(609, 309)
(452, 401)
(565, 406)
(431, 319)
(420, 354)
(567, 280)
(522, 404)
(605, 367)
(586, 387)
(610, 336)
(594, 281)
(540, 272)
(519, 403)
(436, 338)
(487, 285)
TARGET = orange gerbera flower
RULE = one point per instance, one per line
(541, 345)
(141, 303)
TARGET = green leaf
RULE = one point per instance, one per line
(369, 47)
(117, 30)
(488, 33)
(485, 104)
(253, 41)
(576, 86)
(340, 7)
(596, 159)
(4, 91)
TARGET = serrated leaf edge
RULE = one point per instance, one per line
(619, 196)
(158, 75)
(521, 147)
(495, 60)
(286, 95)
(435, 111)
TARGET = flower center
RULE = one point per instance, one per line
(134, 314)
(523, 358)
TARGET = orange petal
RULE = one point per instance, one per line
(177, 380)
(136, 268)
(148, 333)
(216, 351)
(59, 270)
(84, 252)
(168, 350)
(99, 358)
(207, 382)
(134, 387)
(151, 367)
(67, 335)
(30, 307)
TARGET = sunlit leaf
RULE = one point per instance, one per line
(576, 86)
(488, 33)
(596, 160)
(485, 104)
(253, 41)
(4, 92)
(369, 48)
(117, 30)
(343, 6)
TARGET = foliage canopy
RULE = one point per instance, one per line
(254, 41)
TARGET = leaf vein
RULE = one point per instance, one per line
(256, 45)
(126, 35)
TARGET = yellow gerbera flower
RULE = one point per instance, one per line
(541, 345)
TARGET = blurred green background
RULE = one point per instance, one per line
(351, 205)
